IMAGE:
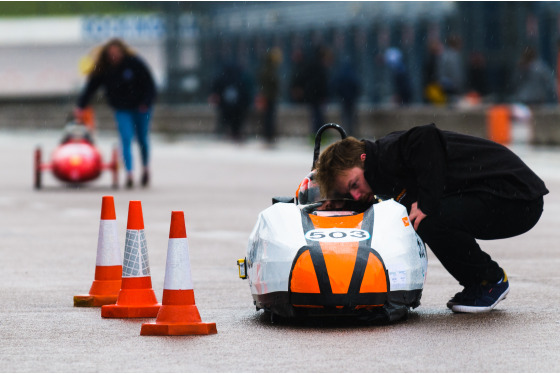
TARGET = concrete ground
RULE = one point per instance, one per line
(48, 242)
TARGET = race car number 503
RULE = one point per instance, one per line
(337, 235)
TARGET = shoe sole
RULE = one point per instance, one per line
(478, 309)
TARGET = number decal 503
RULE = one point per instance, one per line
(337, 235)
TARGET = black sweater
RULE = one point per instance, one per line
(426, 164)
(127, 86)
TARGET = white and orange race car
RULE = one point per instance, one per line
(307, 257)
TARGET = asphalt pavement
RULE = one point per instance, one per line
(48, 243)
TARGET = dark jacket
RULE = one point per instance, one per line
(127, 86)
(316, 78)
(425, 164)
(234, 89)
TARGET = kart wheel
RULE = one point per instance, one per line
(37, 171)
(115, 168)
(275, 319)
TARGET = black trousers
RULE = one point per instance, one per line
(451, 234)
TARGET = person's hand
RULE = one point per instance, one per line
(143, 108)
(416, 215)
(78, 115)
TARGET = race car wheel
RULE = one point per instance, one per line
(37, 169)
(275, 319)
(115, 168)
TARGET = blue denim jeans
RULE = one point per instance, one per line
(133, 123)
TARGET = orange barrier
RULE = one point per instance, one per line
(108, 270)
(498, 124)
(178, 314)
(136, 297)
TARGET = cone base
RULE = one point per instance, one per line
(130, 311)
(175, 329)
(94, 300)
(105, 287)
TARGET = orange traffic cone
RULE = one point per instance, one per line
(178, 314)
(136, 297)
(108, 269)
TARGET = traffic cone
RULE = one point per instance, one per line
(178, 314)
(108, 265)
(136, 297)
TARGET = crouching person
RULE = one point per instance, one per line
(457, 189)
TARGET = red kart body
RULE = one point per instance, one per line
(75, 162)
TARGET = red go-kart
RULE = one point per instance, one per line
(76, 160)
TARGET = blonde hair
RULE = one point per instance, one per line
(336, 159)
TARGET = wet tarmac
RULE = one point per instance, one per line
(48, 242)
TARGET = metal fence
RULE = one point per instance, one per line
(495, 32)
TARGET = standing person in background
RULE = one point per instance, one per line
(558, 69)
(451, 69)
(348, 88)
(232, 93)
(433, 92)
(534, 80)
(402, 88)
(269, 82)
(297, 79)
(476, 73)
(130, 91)
(316, 89)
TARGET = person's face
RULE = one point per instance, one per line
(352, 182)
(115, 55)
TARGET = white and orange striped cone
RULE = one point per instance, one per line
(178, 314)
(108, 266)
(136, 298)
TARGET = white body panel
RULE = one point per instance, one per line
(279, 234)
(401, 249)
(273, 244)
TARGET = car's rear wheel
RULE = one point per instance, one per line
(37, 182)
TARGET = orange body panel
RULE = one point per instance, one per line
(304, 278)
(340, 261)
(374, 276)
(340, 258)
(350, 222)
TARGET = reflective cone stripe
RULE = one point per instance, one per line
(178, 314)
(136, 297)
(177, 285)
(108, 269)
(177, 269)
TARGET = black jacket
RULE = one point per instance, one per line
(425, 164)
(127, 86)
